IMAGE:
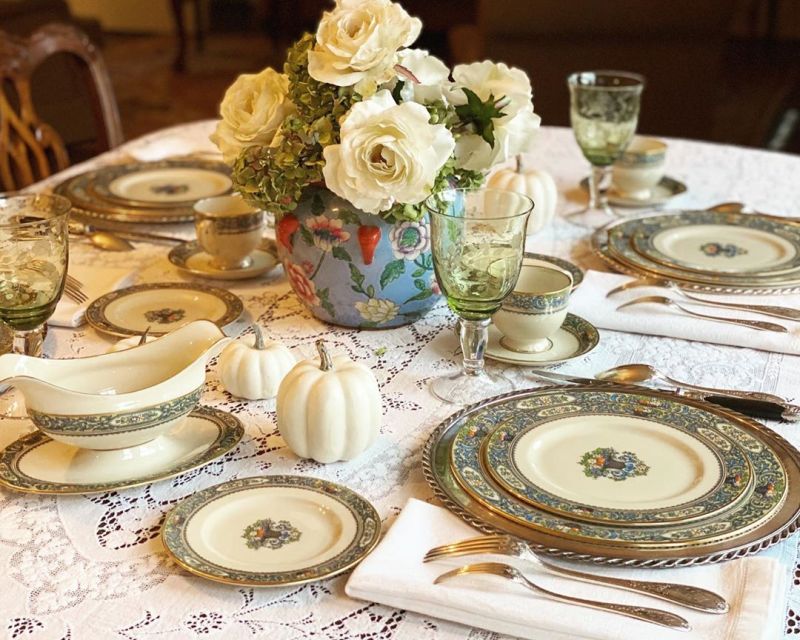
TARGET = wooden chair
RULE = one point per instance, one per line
(31, 149)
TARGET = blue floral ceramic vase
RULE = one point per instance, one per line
(355, 269)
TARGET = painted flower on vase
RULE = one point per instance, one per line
(409, 239)
(377, 311)
(326, 232)
(305, 289)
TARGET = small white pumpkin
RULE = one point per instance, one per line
(539, 186)
(329, 410)
(252, 368)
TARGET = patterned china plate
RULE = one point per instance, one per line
(714, 243)
(564, 538)
(574, 339)
(662, 193)
(271, 531)
(37, 464)
(564, 265)
(189, 257)
(163, 307)
(643, 471)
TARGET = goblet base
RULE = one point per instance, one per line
(463, 389)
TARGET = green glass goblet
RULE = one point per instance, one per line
(33, 265)
(478, 238)
(604, 112)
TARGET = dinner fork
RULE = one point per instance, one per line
(686, 595)
(785, 313)
(669, 302)
(74, 289)
(645, 614)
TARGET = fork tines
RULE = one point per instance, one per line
(480, 544)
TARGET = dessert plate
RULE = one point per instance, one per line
(642, 472)
(189, 257)
(161, 308)
(574, 339)
(271, 531)
(37, 464)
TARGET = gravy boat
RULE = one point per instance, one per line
(117, 400)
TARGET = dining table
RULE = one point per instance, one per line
(94, 566)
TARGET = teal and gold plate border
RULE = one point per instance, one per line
(230, 433)
(96, 312)
(368, 529)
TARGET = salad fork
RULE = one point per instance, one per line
(645, 614)
(685, 595)
(669, 302)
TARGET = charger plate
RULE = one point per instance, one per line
(271, 531)
(161, 308)
(559, 537)
(711, 243)
(612, 245)
(671, 468)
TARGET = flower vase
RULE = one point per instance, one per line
(355, 269)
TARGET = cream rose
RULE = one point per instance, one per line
(432, 74)
(357, 43)
(252, 111)
(388, 153)
(514, 133)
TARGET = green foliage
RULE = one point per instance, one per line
(479, 114)
(392, 272)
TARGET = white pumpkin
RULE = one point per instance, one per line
(539, 186)
(252, 368)
(329, 410)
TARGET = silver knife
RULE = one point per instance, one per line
(751, 407)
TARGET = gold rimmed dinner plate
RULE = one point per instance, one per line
(36, 464)
(161, 307)
(150, 192)
(271, 531)
(643, 471)
(558, 537)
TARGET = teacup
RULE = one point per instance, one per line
(640, 168)
(535, 310)
(229, 230)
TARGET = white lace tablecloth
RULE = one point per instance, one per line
(93, 566)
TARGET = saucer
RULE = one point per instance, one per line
(575, 338)
(161, 307)
(271, 531)
(664, 191)
(37, 464)
(189, 257)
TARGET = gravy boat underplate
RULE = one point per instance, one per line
(117, 400)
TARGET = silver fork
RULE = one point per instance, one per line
(785, 313)
(669, 302)
(645, 614)
(685, 595)
(74, 289)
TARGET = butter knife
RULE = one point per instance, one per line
(763, 409)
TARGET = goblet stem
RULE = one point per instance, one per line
(599, 180)
(473, 335)
(29, 342)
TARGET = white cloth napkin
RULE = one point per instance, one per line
(96, 281)
(590, 302)
(393, 574)
(178, 141)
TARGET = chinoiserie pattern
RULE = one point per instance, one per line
(93, 566)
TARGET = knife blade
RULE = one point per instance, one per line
(747, 406)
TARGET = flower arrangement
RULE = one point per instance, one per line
(381, 124)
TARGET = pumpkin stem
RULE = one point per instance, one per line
(518, 159)
(325, 360)
(259, 343)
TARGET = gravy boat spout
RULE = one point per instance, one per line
(117, 400)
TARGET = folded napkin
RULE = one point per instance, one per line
(393, 574)
(178, 141)
(96, 281)
(590, 302)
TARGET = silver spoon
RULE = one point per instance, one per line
(108, 241)
(637, 373)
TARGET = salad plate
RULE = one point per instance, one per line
(37, 464)
(161, 308)
(271, 531)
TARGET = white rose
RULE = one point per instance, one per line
(514, 133)
(432, 74)
(388, 153)
(253, 109)
(357, 43)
